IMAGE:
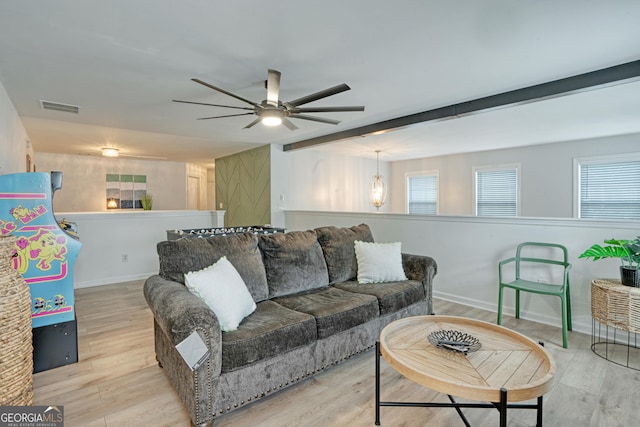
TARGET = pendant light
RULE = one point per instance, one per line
(378, 192)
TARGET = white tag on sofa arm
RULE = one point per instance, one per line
(193, 350)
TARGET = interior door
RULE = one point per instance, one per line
(193, 192)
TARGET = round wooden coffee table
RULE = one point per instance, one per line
(508, 367)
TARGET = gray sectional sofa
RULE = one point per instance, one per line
(311, 313)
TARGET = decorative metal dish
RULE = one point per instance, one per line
(455, 341)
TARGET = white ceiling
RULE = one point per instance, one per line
(124, 61)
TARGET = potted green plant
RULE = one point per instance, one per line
(147, 202)
(629, 253)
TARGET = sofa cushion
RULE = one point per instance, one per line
(339, 253)
(335, 310)
(269, 331)
(379, 262)
(293, 262)
(392, 296)
(223, 290)
(181, 256)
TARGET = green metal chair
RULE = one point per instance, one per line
(521, 284)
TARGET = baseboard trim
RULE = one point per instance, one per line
(111, 280)
(532, 316)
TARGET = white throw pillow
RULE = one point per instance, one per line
(223, 290)
(379, 262)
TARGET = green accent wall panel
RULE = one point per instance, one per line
(243, 186)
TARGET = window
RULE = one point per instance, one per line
(496, 190)
(609, 187)
(422, 193)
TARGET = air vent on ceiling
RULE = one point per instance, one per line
(48, 105)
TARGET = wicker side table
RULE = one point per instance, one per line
(615, 310)
(16, 351)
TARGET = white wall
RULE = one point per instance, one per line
(84, 181)
(280, 190)
(107, 236)
(468, 249)
(13, 138)
(319, 180)
(546, 174)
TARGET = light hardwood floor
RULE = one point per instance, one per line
(117, 381)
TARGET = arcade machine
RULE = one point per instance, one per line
(44, 255)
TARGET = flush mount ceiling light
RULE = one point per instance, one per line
(110, 152)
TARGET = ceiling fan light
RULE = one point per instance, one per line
(271, 117)
(110, 152)
(271, 121)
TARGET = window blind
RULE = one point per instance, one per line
(497, 192)
(610, 190)
(423, 194)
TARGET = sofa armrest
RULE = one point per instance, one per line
(423, 269)
(178, 313)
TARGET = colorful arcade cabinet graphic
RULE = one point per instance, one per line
(44, 253)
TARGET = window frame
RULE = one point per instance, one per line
(601, 159)
(496, 168)
(407, 175)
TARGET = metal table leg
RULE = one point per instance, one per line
(539, 417)
(502, 407)
(377, 383)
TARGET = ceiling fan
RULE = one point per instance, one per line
(273, 112)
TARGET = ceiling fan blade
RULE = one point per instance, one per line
(273, 87)
(213, 105)
(327, 109)
(222, 117)
(319, 95)
(288, 124)
(253, 123)
(225, 92)
(315, 119)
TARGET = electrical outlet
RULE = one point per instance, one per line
(125, 257)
